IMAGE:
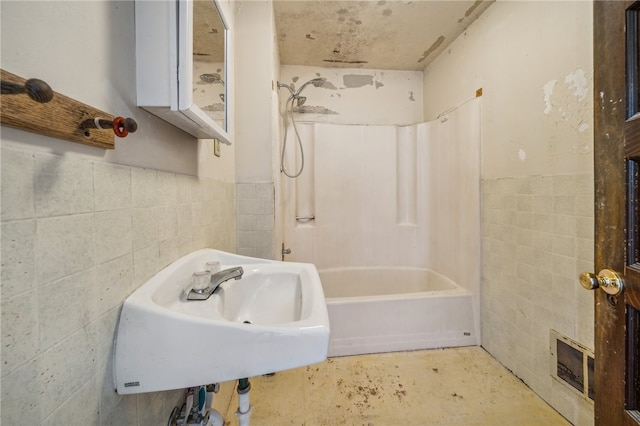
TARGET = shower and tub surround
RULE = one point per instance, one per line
(398, 206)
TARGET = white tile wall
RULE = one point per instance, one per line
(255, 219)
(78, 237)
(537, 238)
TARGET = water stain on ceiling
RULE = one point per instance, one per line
(398, 35)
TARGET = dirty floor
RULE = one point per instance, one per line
(459, 386)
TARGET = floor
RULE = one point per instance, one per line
(458, 386)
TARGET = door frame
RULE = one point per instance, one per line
(610, 209)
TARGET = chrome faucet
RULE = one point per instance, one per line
(216, 279)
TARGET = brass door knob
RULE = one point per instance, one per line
(608, 280)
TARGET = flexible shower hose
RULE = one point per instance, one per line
(289, 110)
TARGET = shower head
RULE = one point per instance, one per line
(317, 82)
(295, 94)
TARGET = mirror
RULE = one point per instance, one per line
(181, 62)
(209, 89)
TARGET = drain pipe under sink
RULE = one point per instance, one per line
(244, 407)
(213, 417)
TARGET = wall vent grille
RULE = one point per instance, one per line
(572, 364)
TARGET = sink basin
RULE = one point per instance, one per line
(265, 296)
(273, 318)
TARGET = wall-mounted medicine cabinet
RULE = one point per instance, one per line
(181, 58)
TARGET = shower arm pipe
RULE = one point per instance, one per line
(281, 85)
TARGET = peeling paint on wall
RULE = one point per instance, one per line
(576, 84)
(218, 107)
(352, 96)
(329, 86)
(566, 106)
(522, 155)
(308, 109)
(353, 81)
(548, 91)
(470, 10)
(432, 48)
(577, 81)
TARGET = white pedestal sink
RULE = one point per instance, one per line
(273, 318)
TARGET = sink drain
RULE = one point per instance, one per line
(246, 322)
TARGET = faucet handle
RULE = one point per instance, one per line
(215, 281)
(200, 280)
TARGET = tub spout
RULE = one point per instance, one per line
(216, 279)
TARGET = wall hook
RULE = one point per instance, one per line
(36, 89)
(121, 126)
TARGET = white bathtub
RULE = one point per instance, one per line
(386, 309)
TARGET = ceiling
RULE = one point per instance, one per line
(399, 35)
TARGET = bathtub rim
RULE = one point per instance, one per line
(455, 292)
(455, 289)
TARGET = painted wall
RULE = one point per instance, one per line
(255, 49)
(83, 227)
(533, 61)
(256, 108)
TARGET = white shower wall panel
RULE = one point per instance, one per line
(451, 155)
(453, 215)
(355, 189)
(355, 208)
